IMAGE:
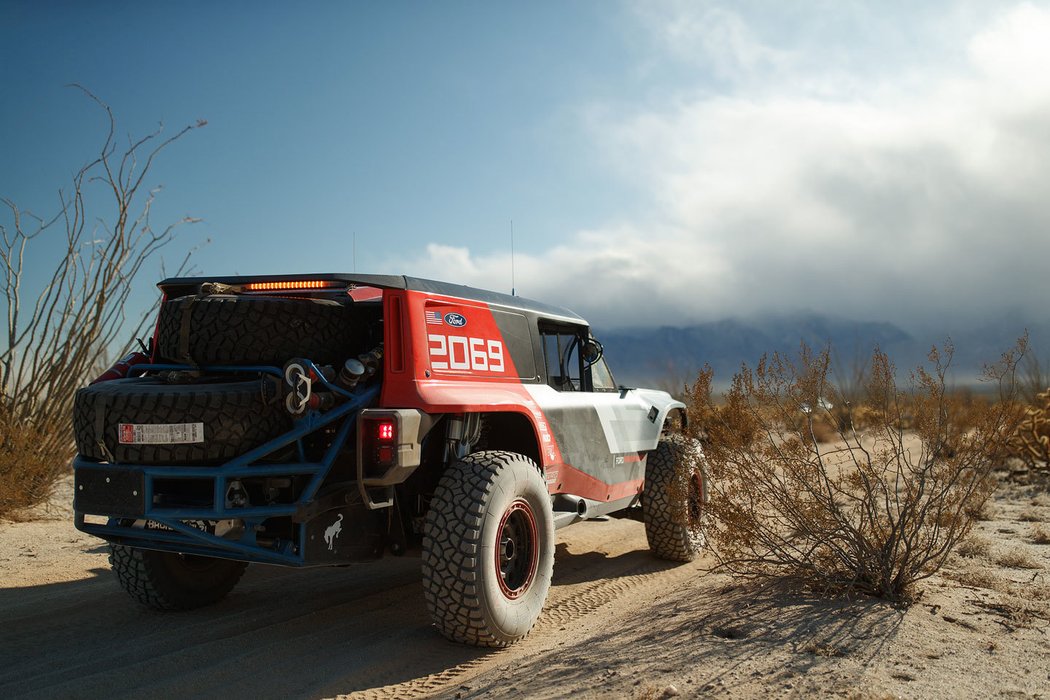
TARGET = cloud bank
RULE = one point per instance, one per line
(796, 175)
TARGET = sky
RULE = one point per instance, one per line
(658, 162)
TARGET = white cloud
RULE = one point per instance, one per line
(921, 197)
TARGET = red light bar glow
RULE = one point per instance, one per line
(298, 284)
(385, 430)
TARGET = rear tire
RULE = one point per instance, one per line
(246, 330)
(488, 549)
(673, 500)
(170, 581)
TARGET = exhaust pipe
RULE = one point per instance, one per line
(575, 503)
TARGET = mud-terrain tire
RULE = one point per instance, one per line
(242, 330)
(673, 500)
(170, 581)
(488, 549)
(236, 416)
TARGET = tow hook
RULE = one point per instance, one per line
(298, 379)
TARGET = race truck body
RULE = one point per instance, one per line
(332, 418)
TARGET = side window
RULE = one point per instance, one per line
(601, 377)
(561, 354)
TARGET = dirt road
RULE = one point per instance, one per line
(281, 633)
(618, 624)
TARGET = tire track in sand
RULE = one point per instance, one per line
(565, 606)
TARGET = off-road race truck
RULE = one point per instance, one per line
(328, 419)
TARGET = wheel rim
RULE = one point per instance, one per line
(517, 554)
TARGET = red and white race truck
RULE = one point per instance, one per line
(332, 418)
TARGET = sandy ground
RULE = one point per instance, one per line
(618, 624)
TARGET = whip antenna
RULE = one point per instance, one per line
(512, 257)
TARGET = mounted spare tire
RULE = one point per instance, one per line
(144, 420)
(253, 330)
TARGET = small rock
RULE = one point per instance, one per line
(670, 691)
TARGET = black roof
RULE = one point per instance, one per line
(189, 285)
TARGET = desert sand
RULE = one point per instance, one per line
(618, 624)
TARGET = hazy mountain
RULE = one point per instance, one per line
(669, 355)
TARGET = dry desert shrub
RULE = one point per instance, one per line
(1031, 441)
(979, 578)
(1030, 515)
(27, 472)
(1017, 558)
(1040, 535)
(66, 280)
(973, 547)
(877, 510)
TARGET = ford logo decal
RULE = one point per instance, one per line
(455, 320)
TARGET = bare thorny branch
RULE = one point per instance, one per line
(54, 342)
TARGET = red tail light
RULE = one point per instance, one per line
(380, 442)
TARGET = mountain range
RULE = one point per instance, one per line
(668, 356)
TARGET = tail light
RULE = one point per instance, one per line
(388, 443)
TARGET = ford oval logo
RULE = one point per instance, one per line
(455, 320)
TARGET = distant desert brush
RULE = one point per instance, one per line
(1031, 441)
(877, 508)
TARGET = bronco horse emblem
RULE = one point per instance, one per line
(332, 532)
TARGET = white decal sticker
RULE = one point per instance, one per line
(479, 359)
(496, 355)
(160, 433)
(460, 360)
(440, 351)
(332, 532)
(463, 354)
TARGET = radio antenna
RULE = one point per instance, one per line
(355, 252)
(512, 257)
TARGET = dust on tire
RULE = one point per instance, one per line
(476, 500)
(228, 329)
(672, 500)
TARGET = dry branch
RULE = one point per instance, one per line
(55, 343)
(875, 509)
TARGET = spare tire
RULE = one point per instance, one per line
(227, 329)
(144, 420)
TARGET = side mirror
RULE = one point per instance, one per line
(592, 351)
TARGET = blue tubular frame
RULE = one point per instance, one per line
(180, 537)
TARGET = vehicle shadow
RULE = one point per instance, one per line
(280, 633)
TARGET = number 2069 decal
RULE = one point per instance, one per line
(460, 353)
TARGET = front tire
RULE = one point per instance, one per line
(170, 581)
(488, 549)
(673, 500)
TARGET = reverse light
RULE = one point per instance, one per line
(294, 284)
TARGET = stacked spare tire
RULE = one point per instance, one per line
(209, 421)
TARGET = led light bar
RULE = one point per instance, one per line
(297, 284)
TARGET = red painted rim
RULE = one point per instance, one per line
(517, 549)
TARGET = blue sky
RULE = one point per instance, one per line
(663, 162)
